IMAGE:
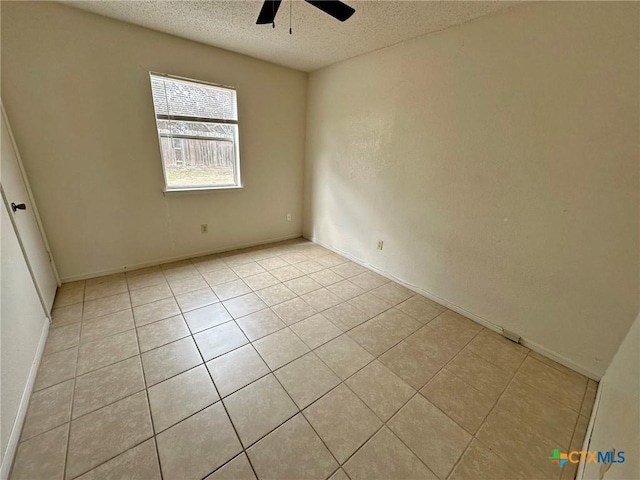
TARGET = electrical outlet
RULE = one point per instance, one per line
(288, 217)
(204, 228)
(380, 244)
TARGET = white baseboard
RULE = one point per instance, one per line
(160, 261)
(476, 318)
(16, 431)
(556, 357)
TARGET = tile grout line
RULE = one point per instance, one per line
(158, 320)
(495, 403)
(344, 382)
(271, 371)
(115, 456)
(160, 346)
(107, 405)
(201, 364)
(579, 412)
(243, 450)
(115, 401)
(417, 392)
(300, 410)
(475, 435)
(146, 389)
(224, 406)
(220, 397)
(73, 395)
(64, 467)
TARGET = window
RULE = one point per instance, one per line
(198, 133)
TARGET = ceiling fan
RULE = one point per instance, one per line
(335, 8)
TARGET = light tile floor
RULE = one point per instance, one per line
(287, 361)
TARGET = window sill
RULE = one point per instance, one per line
(202, 189)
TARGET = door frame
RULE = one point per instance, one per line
(33, 204)
(38, 352)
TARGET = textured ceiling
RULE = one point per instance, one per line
(317, 41)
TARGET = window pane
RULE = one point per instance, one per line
(189, 99)
(196, 129)
(199, 148)
(198, 162)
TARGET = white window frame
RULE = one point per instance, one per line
(236, 137)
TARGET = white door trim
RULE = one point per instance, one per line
(30, 193)
(24, 254)
(592, 421)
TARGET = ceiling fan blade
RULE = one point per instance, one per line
(335, 8)
(268, 11)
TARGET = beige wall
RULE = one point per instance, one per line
(498, 161)
(76, 88)
(617, 422)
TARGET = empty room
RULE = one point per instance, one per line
(320, 240)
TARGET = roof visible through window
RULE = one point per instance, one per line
(198, 133)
